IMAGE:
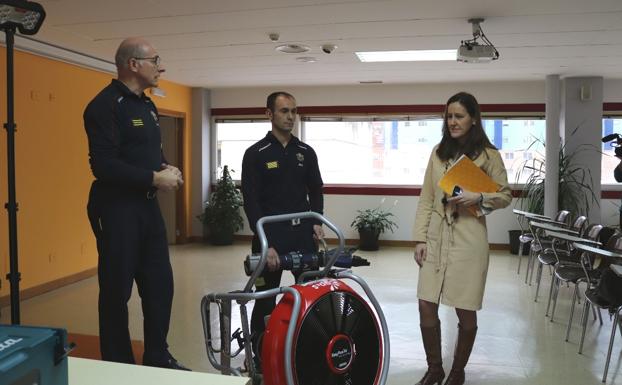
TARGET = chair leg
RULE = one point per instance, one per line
(520, 255)
(538, 279)
(548, 304)
(574, 299)
(533, 266)
(584, 318)
(558, 283)
(529, 261)
(613, 335)
(600, 317)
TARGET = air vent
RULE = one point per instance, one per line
(306, 59)
(292, 48)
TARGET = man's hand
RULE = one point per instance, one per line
(175, 171)
(273, 261)
(421, 253)
(318, 232)
(168, 178)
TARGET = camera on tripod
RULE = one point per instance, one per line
(616, 143)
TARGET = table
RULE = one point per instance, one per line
(595, 250)
(83, 371)
(550, 227)
(528, 214)
(571, 238)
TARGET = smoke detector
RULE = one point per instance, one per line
(292, 48)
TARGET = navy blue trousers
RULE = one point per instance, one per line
(132, 246)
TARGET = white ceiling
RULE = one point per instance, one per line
(224, 43)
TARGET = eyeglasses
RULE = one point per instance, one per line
(155, 59)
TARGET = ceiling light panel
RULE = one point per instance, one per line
(411, 55)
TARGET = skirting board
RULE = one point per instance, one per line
(49, 286)
(354, 242)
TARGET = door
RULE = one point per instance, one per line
(170, 130)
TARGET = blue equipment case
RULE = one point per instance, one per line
(33, 355)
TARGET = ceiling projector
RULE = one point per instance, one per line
(471, 51)
(476, 53)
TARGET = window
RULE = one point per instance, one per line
(382, 151)
(611, 125)
(233, 138)
(372, 151)
(364, 151)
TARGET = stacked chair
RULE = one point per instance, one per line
(568, 266)
(540, 243)
(593, 262)
(553, 254)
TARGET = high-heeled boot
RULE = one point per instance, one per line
(432, 344)
(464, 345)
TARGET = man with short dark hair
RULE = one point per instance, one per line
(126, 158)
(280, 175)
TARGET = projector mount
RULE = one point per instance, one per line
(478, 34)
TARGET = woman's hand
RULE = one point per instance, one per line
(421, 252)
(466, 198)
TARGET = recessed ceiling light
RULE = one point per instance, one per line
(306, 59)
(292, 48)
(412, 55)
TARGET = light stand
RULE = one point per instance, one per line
(26, 17)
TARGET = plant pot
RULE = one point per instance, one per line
(219, 236)
(515, 242)
(368, 240)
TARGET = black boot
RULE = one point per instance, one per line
(432, 344)
(464, 345)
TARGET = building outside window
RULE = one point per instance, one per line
(381, 151)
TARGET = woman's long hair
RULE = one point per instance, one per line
(475, 141)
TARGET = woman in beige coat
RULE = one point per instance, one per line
(452, 243)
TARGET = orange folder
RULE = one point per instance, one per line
(468, 176)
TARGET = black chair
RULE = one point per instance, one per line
(568, 269)
(593, 261)
(540, 243)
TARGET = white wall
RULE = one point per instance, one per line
(341, 209)
(384, 94)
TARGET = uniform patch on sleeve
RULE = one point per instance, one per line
(273, 164)
(137, 122)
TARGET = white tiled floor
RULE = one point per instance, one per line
(516, 344)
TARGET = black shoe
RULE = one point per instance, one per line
(171, 363)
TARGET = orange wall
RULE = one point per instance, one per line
(52, 171)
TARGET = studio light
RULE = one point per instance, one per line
(25, 17)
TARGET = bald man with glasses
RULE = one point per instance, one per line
(125, 153)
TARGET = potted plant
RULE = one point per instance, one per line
(221, 217)
(575, 192)
(370, 223)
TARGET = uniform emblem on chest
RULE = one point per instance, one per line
(300, 157)
(273, 164)
(137, 122)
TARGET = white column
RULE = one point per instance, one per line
(201, 122)
(582, 111)
(552, 141)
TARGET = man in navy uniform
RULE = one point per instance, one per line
(125, 152)
(280, 175)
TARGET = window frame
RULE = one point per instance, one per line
(346, 188)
